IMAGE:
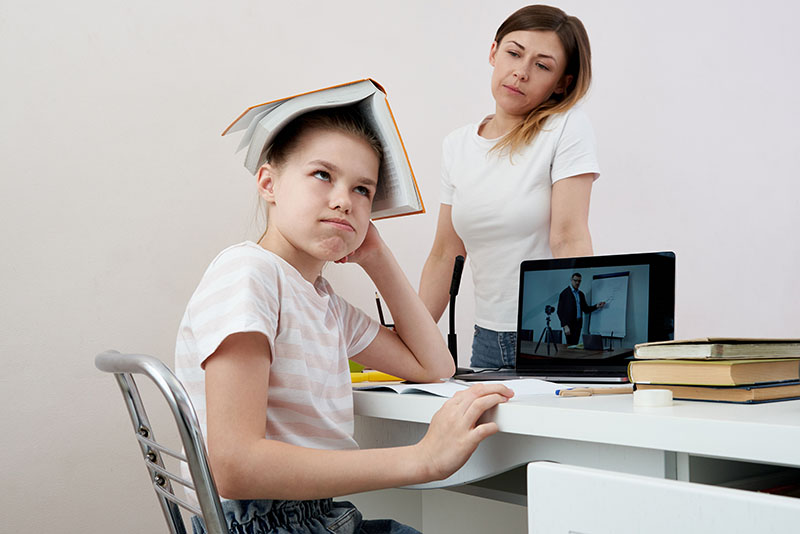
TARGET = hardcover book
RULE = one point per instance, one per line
(397, 192)
(719, 348)
(739, 394)
(713, 372)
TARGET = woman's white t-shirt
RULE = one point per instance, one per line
(501, 205)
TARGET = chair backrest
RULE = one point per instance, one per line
(124, 366)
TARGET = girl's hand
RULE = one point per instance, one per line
(369, 249)
(454, 432)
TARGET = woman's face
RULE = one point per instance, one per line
(528, 67)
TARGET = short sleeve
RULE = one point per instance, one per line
(446, 188)
(576, 150)
(357, 328)
(238, 293)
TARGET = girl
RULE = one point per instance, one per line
(516, 185)
(264, 343)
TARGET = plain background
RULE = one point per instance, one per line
(117, 189)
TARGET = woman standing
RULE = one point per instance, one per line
(516, 185)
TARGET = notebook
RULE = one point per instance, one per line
(624, 299)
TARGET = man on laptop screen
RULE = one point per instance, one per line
(586, 332)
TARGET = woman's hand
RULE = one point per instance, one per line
(455, 433)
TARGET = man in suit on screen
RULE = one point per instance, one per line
(571, 307)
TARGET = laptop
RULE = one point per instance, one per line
(624, 299)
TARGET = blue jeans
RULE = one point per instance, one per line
(321, 516)
(493, 349)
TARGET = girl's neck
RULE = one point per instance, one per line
(309, 267)
(499, 125)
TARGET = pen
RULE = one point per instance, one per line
(588, 392)
(380, 310)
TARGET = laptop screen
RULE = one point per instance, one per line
(591, 311)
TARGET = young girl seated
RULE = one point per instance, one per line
(264, 344)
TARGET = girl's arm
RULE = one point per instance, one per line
(434, 286)
(569, 217)
(415, 350)
(246, 465)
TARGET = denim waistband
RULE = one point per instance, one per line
(256, 516)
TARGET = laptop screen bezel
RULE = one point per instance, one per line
(661, 303)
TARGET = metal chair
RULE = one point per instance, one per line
(124, 366)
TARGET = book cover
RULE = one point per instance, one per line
(719, 348)
(397, 192)
(737, 394)
(713, 372)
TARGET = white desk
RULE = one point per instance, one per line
(692, 441)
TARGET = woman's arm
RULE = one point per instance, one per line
(569, 217)
(246, 465)
(434, 286)
(415, 350)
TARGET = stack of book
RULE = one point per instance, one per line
(737, 370)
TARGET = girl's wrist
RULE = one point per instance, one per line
(376, 261)
(419, 465)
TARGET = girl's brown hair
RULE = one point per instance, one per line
(342, 119)
(346, 120)
(573, 37)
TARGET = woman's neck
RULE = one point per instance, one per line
(499, 125)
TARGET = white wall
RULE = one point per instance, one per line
(117, 190)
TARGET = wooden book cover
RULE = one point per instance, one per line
(397, 193)
(738, 394)
(713, 372)
(719, 348)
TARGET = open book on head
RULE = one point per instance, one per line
(397, 192)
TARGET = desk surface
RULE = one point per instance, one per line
(762, 433)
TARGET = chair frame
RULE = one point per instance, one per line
(123, 367)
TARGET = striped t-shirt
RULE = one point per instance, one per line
(311, 333)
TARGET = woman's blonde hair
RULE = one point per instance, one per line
(573, 37)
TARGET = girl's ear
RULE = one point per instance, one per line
(492, 53)
(266, 183)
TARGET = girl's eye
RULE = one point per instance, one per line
(542, 66)
(322, 175)
(361, 190)
(512, 53)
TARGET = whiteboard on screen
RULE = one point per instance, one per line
(610, 320)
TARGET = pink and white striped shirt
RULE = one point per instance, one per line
(311, 333)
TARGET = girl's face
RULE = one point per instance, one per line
(528, 68)
(320, 199)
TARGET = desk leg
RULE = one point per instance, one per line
(676, 465)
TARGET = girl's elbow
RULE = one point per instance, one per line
(442, 367)
(445, 368)
(448, 369)
(226, 478)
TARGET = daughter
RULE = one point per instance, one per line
(264, 343)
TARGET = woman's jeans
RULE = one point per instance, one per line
(321, 516)
(491, 349)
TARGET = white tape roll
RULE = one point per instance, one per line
(652, 398)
